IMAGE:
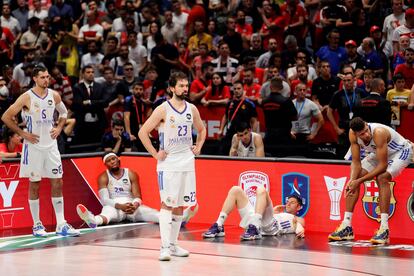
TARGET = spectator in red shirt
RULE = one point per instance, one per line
(250, 63)
(407, 68)
(198, 88)
(251, 88)
(12, 146)
(273, 24)
(218, 93)
(6, 44)
(244, 29)
(295, 17)
(302, 77)
(199, 60)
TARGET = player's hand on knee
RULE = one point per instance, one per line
(351, 187)
(161, 155)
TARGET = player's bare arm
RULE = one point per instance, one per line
(201, 130)
(104, 193)
(23, 102)
(150, 124)
(234, 144)
(258, 142)
(136, 188)
(60, 107)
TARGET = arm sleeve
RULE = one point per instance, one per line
(104, 195)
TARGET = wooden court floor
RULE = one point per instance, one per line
(132, 249)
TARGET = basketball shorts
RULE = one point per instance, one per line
(177, 188)
(143, 213)
(267, 218)
(38, 163)
(396, 162)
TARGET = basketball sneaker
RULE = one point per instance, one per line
(86, 216)
(164, 254)
(214, 231)
(178, 251)
(39, 230)
(342, 233)
(251, 233)
(188, 214)
(66, 230)
(382, 236)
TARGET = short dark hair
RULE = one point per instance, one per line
(114, 38)
(298, 199)
(175, 77)
(37, 69)
(86, 67)
(357, 124)
(239, 82)
(117, 122)
(138, 83)
(397, 77)
(205, 66)
(242, 126)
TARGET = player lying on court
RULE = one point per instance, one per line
(261, 220)
(120, 193)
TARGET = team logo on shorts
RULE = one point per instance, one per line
(55, 171)
(250, 180)
(296, 184)
(49, 102)
(370, 200)
(186, 198)
(410, 205)
(188, 116)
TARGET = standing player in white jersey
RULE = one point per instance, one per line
(261, 219)
(387, 154)
(176, 167)
(246, 143)
(40, 155)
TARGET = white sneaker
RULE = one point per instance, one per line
(66, 230)
(39, 230)
(177, 251)
(86, 216)
(164, 254)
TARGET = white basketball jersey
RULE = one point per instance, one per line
(249, 150)
(396, 144)
(285, 223)
(176, 139)
(39, 118)
(119, 188)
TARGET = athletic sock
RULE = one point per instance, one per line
(221, 218)
(98, 220)
(175, 228)
(165, 227)
(384, 220)
(57, 203)
(347, 219)
(257, 220)
(34, 210)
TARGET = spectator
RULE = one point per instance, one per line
(255, 48)
(301, 59)
(295, 17)
(225, 65)
(124, 86)
(199, 60)
(218, 93)
(246, 143)
(118, 63)
(263, 60)
(324, 87)
(21, 14)
(35, 39)
(5, 100)
(273, 24)
(150, 40)
(137, 52)
(110, 16)
(302, 77)
(353, 58)
(200, 85)
(12, 144)
(239, 109)
(249, 63)
(92, 31)
(93, 58)
(371, 59)
(7, 43)
(172, 32)
(233, 38)
(265, 91)
(117, 140)
(109, 85)
(37, 11)
(62, 85)
(179, 17)
(407, 68)
(211, 30)
(89, 101)
(244, 29)
(18, 72)
(392, 21)
(164, 57)
(9, 22)
(111, 49)
(368, 77)
(375, 108)
(199, 37)
(398, 97)
(302, 130)
(251, 88)
(404, 29)
(279, 113)
(332, 52)
(67, 51)
(398, 57)
(58, 11)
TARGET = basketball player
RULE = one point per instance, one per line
(120, 194)
(246, 143)
(387, 154)
(176, 173)
(262, 219)
(40, 155)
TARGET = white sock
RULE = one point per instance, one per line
(165, 227)
(98, 220)
(384, 220)
(221, 218)
(347, 219)
(257, 220)
(34, 210)
(58, 207)
(175, 228)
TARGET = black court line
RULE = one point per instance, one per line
(244, 258)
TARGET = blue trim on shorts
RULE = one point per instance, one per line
(160, 180)
(404, 154)
(161, 139)
(25, 154)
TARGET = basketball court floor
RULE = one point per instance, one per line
(133, 249)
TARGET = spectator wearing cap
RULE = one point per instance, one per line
(407, 68)
(353, 58)
(9, 22)
(405, 29)
(332, 52)
(393, 21)
(91, 31)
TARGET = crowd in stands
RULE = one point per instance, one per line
(305, 64)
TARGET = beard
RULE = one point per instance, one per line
(181, 97)
(114, 169)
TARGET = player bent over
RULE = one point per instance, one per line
(387, 154)
(262, 219)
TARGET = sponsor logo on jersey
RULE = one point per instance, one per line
(370, 200)
(335, 187)
(296, 184)
(410, 206)
(172, 119)
(125, 180)
(249, 181)
(188, 116)
(49, 102)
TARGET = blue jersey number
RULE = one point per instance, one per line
(182, 130)
(43, 113)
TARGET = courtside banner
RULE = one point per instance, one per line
(324, 182)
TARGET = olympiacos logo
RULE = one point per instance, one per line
(249, 181)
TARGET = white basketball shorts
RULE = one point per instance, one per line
(177, 188)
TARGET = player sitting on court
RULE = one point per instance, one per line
(120, 194)
(262, 219)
